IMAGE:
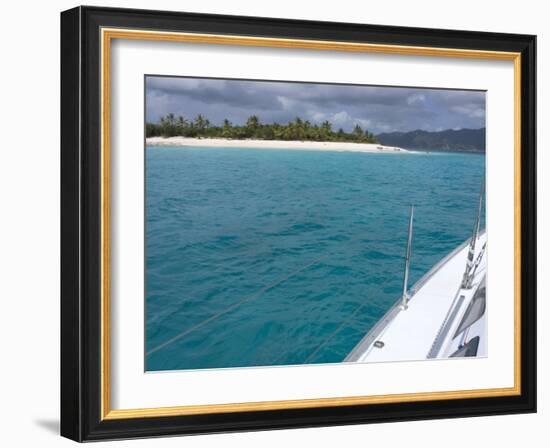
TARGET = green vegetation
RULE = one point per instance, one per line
(200, 127)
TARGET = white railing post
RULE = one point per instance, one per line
(467, 277)
(405, 297)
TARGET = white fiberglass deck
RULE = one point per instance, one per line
(410, 334)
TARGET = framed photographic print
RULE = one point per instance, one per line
(274, 224)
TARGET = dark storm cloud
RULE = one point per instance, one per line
(379, 109)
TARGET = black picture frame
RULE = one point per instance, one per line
(81, 224)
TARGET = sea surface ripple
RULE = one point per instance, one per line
(223, 225)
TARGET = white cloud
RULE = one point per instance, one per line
(378, 109)
(318, 116)
(287, 102)
(470, 110)
(341, 118)
(416, 98)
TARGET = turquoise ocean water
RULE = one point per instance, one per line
(296, 241)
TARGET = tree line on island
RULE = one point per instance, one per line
(459, 140)
(299, 129)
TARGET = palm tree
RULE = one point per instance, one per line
(253, 122)
(181, 125)
(326, 130)
(227, 129)
(200, 122)
(357, 132)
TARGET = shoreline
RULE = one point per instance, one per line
(273, 144)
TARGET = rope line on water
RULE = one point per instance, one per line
(232, 307)
(334, 333)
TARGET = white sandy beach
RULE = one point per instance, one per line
(272, 144)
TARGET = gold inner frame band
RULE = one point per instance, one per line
(107, 35)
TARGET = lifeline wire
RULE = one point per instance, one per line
(232, 307)
(252, 297)
(334, 333)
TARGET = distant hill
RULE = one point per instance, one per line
(462, 140)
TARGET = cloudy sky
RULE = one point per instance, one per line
(378, 109)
